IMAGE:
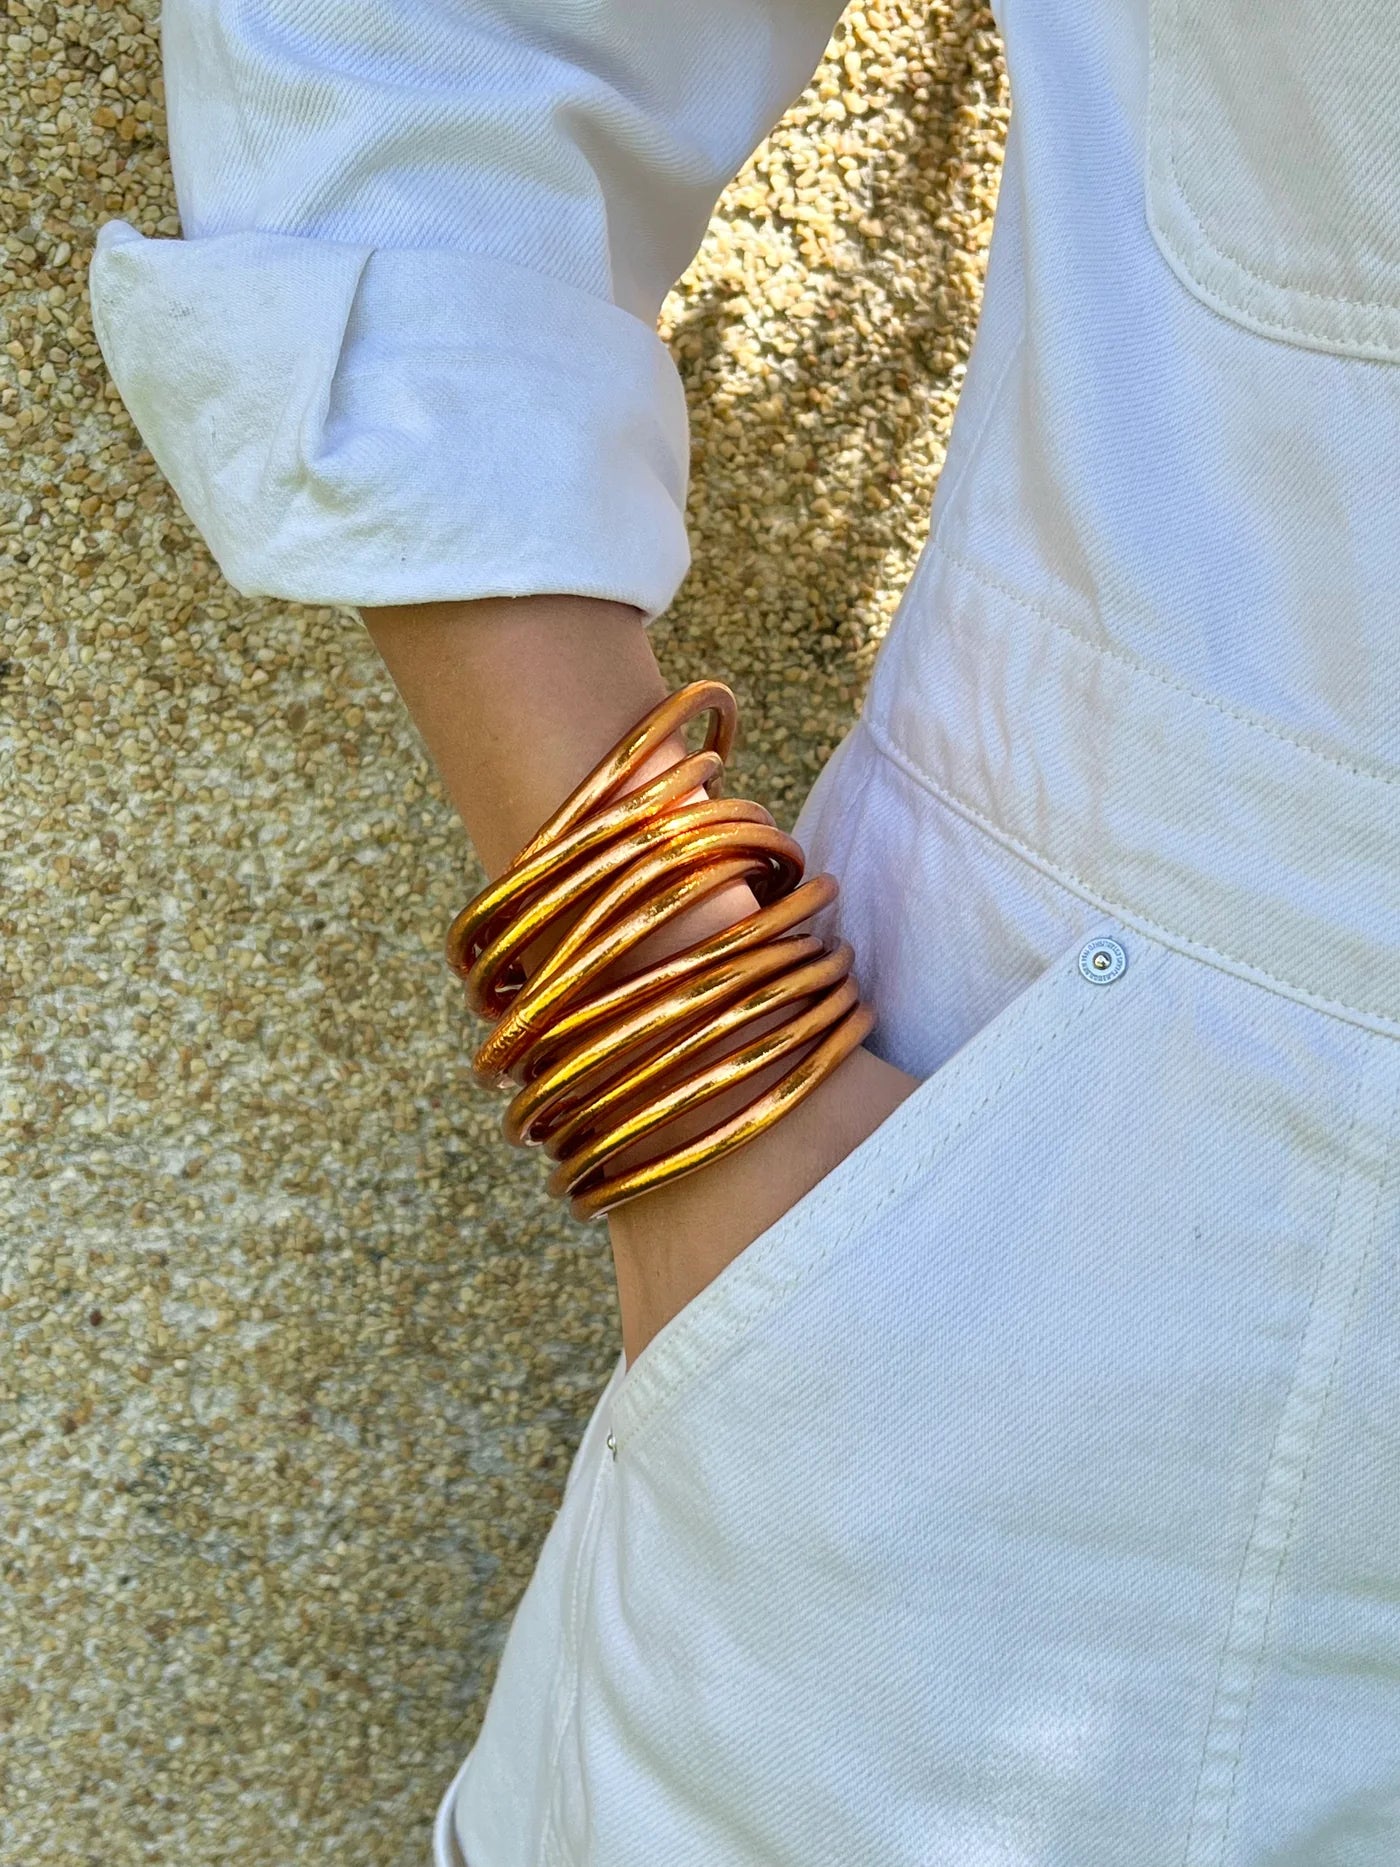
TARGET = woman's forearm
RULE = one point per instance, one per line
(516, 700)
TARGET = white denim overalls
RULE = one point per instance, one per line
(1029, 1494)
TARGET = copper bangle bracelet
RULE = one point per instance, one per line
(601, 1066)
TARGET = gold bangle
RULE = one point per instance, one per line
(640, 892)
(577, 1138)
(471, 932)
(601, 1066)
(602, 1195)
(778, 917)
(555, 1088)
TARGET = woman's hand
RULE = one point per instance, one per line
(516, 700)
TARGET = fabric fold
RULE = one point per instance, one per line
(363, 425)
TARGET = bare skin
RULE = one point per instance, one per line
(516, 699)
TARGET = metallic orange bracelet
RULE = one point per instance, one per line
(601, 1066)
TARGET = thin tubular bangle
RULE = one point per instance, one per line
(631, 751)
(602, 1195)
(623, 875)
(588, 1065)
(471, 932)
(826, 968)
(779, 917)
(614, 924)
(603, 1066)
(580, 1164)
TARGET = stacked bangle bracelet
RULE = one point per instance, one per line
(600, 1066)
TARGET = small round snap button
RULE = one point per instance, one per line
(611, 1444)
(1102, 961)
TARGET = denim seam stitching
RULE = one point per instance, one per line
(1232, 962)
(1010, 859)
(1110, 652)
(1333, 301)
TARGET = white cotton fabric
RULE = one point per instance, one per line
(1029, 1494)
(406, 349)
(1271, 203)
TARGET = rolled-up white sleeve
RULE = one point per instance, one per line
(406, 349)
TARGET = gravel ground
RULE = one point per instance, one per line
(295, 1349)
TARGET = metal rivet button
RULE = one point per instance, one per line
(1102, 961)
(611, 1444)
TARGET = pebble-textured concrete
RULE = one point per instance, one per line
(295, 1350)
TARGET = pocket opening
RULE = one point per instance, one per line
(1014, 1043)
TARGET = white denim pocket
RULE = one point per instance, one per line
(951, 1520)
(1273, 165)
(843, 1208)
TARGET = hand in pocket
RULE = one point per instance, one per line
(668, 1245)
